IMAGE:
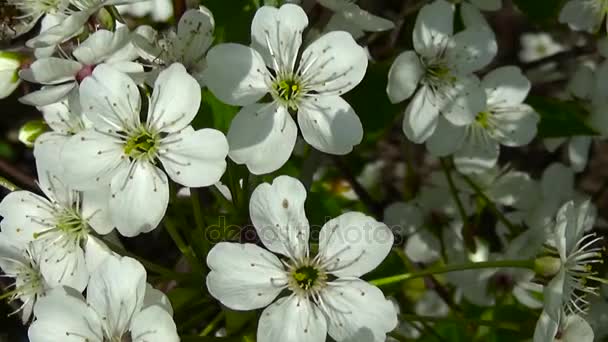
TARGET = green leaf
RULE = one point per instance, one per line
(214, 113)
(233, 21)
(540, 10)
(560, 118)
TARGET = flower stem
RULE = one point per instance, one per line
(181, 244)
(199, 220)
(478, 322)
(529, 264)
(454, 192)
(212, 325)
(499, 215)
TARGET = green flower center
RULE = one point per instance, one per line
(483, 119)
(142, 144)
(306, 276)
(288, 91)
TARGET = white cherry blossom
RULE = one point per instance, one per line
(351, 18)
(584, 15)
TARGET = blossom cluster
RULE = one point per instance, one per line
(122, 106)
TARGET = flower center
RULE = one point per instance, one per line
(287, 90)
(438, 74)
(483, 119)
(142, 144)
(306, 277)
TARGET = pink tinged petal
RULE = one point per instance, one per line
(434, 26)
(51, 70)
(139, 199)
(165, 113)
(506, 86)
(197, 158)
(153, 324)
(471, 49)
(353, 244)
(116, 291)
(24, 214)
(516, 126)
(578, 152)
(236, 74)
(403, 77)
(277, 34)
(48, 94)
(421, 116)
(356, 308)
(277, 212)
(110, 99)
(292, 319)
(244, 276)
(330, 124)
(333, 64)
(446, 139)
(462, 100)
(64, 317)
(100, 45)
(195, 34)
(262, 137)
(478, 153)
(59, 33)
(546, 328)
(94, 159)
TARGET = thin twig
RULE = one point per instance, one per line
(373, 206)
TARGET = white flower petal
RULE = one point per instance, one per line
(353, 244)
(333, 64)
(582, 15)
(48, 94)
(244, 276)
(471, 49)
(578, 152)
(64, 116)
(506, 86)
(262, 137)
(94, 208)
(434, 26)
(140, 195)
(516, 125)
(197, 159)
(195, 34)
(90, 168)
(110, 99)
(116, 291)
(277, 212)
(236, 74)
(514, 189)
(96, 253)
(365, 20)
(66, 29)
(554, 295)
(423, 247)
(100, 45)
(403, 76)
(421, 116)
(473, 18)
(277, 34)
(546, 328)
(358, 308)
(153, 324)
(446, 139)
(64, 265)
(557, 183)
(403, 218)
(52, 70)
(478, 153)
(166, 114)
(18, 209)
(292, 319)
(157, 298)
(461, 101)
(330, 124)
(62, 317)
(582, 82)
(576, 329)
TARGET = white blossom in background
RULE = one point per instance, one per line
(535, 46)
(505, 120)
(584, 15)
(119, 306)
(588, 86)
(263, 135)
(22, 263)
(10, 64)
(32, 10)
(62, 224)
(188, 45)
(72, 21)
(325, 294)
(158, 10)
(570, 328)
(120, 152)
(470, 12)
(349, 17)
(60, 76)
(441, 68)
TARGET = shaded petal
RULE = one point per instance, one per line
(96, 253)
(51, 70)
(277, 212)
(461, 101)
(64, 265)
(48, 94)
(244, 276)
(554, 295)
(516, 126)
(24, 214)
(403, 218)
(576, 329)
(197, 158)
(353, 244)
(403, 77)
(582, 15)
(140, 195)
(473, 18)
(446, 139)
(365, 20)
(487, 5)
(157, 298)
(578, 152)
(165, 113)
(95, 209)
(66, 29)
(153, 324)
(471, 49)
(478, 153)
(434, 26)
(236, 74)
(330, 124)
(356, 307)
(262, 137)
(423, 247)
(546, 328)
(101, 44)
(292, 319)
(421, 116)
(195, 34)
(515, 189)
(506, 86)
(333, 64)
